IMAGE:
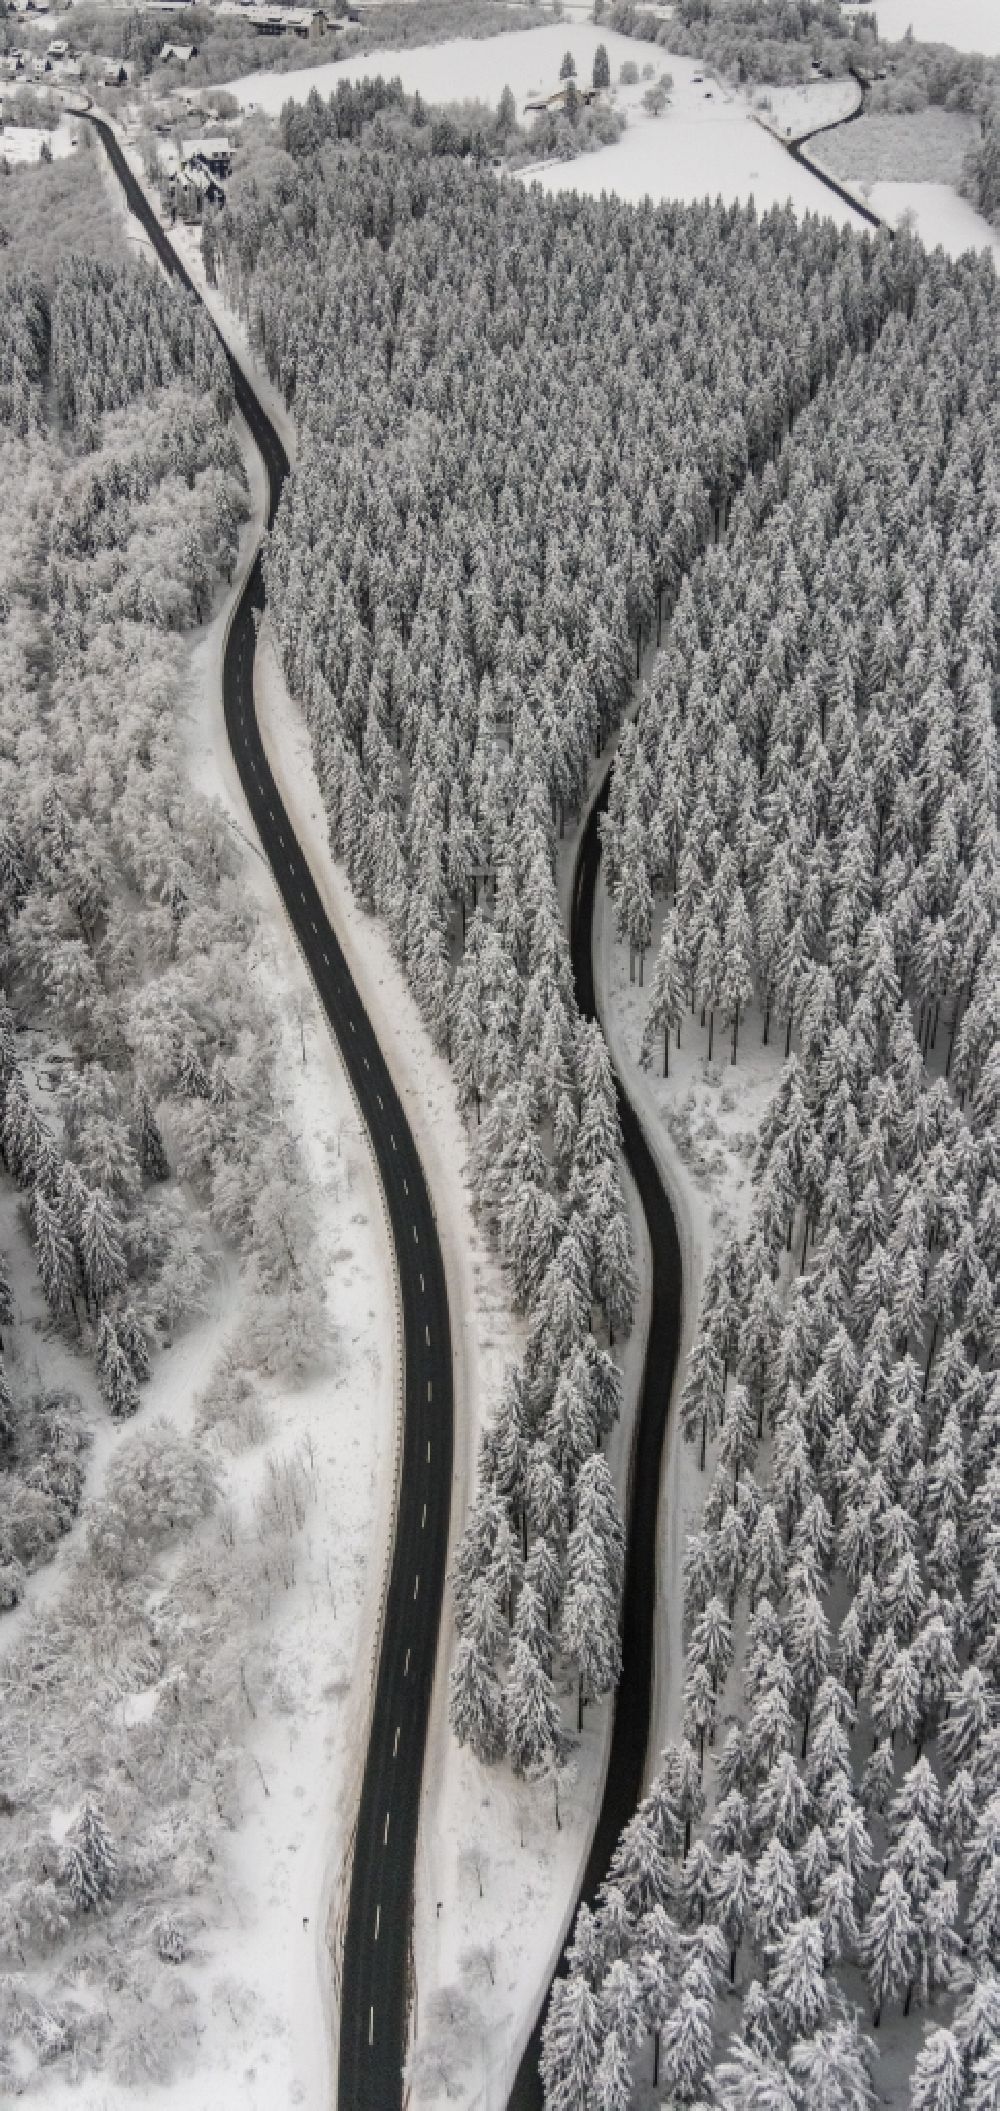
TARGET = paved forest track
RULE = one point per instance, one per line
(633, 1702)
(373, 2009)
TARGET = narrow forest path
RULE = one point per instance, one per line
(633, 1701)
(374, 1993)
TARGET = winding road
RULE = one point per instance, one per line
(374, 1992)
(375, 1974)
(633, 1702)
(796, 148)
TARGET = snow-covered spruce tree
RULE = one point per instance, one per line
(90, 1859)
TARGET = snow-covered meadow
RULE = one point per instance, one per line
(794, 110)
(707, 143)
(938, 215)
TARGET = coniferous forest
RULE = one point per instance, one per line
(539, 438)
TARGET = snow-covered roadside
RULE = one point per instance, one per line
(354, 1434)
(258, 1980)
(464, 1807)
(478, 1826)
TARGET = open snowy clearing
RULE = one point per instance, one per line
(970, 25)
(465, 68)
(793, 112)
(725, 155)
(707, 144)
(476, 69)
(939, 216)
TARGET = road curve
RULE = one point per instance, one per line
(630, 1732)
(796, 148)
(376, 1952)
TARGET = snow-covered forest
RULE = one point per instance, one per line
(136, 1123)
(523, 424)
(809, 792)
(464, 632)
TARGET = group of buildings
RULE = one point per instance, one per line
(264, 21)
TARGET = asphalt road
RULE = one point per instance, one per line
(630, 1733)
(377, 1943)
(796, 148)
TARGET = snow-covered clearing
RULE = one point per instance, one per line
(970, 25)
(464, 69)
(794, 111)
(718, 153)
(20, 143)
(707, 143)
(902, 162)
(939, 215)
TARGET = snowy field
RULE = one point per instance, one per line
(794, 111)
(970, 25)
(718, 154)
(707, 143)
(939, 216)
(889, 146)
(21, 143)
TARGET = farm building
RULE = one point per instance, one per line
(214, 155)
(557, 99)
(194, 188)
